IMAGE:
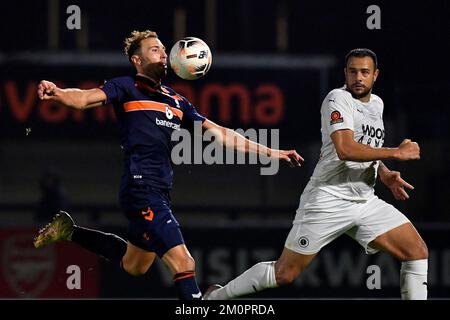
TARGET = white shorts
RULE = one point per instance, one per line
(322, 217)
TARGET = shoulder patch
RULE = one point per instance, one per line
(336, 117)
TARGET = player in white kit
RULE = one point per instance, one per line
(339, 197)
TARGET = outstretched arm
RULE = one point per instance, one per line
(394, 182)
(71, 97)
(233, 140)
(350, 150)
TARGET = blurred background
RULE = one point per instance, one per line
(273, 63)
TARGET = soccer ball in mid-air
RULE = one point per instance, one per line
(190, 58)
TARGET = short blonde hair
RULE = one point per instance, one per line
(133, 42)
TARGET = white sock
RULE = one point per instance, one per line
(413, 279)
(259, 277)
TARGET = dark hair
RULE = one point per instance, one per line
(362, 52)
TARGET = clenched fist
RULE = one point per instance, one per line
(408, 150)
(46, 90)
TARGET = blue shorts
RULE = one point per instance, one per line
(153, 227)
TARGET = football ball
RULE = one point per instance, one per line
(190, 58)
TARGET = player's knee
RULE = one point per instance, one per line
(422, 251)
(133, 268)
(186, 263)
(418, 252)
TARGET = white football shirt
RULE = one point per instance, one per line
(347, 179)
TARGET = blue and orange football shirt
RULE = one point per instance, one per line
(146, 117)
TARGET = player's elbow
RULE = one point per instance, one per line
(343, 154)
(73, 102)
(77, 106)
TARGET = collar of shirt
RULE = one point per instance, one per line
(147, 84)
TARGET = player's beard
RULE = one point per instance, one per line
(155, 71)
(367, 91)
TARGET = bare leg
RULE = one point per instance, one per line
(137, 261)
(405, 243)
(182, 265)
(262, 276)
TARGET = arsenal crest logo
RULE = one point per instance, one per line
(27, 271)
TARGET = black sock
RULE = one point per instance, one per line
(107, 245)
(187, 286)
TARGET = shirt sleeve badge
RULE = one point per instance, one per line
(336, 117)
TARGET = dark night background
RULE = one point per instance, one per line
(79, 155)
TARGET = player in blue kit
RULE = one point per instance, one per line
(147, 113)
